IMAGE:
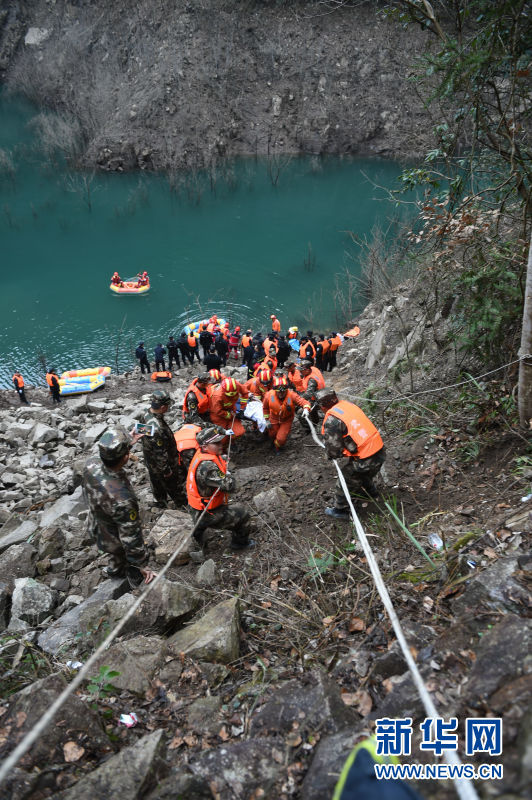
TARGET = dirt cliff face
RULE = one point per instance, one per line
(161, 85)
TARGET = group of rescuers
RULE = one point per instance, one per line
(190, 466)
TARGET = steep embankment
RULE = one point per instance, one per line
(162, 85)
(264, 696)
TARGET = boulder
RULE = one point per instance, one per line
(51, 542)
(18, 561)
(36, 36)
(131, 773)
(493, 588)
(207, 574)
(88, 436)
(172, 530)
(66, 506)
(203, 715)
(215, 637)
(327, 763)
(31, 603)
(377, 349)
(136, 660)
(19, 430)
(75, 721)
(62, 633)
(271, 499)
(179, 784)
(237, 770)
(15, 531)
(43, 433)
(165, 605)
(313, 705)
(504, 653)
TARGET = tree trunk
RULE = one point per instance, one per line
(525, 366)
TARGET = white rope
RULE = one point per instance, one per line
(464, 787)
(25, 744)
(440, 388)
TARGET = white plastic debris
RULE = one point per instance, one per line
(435, 541)
(255, 412)
(74, 664)
(129, 720)
(526, 497)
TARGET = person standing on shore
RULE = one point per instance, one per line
(141, 354)
(18, 383)
(53, 382)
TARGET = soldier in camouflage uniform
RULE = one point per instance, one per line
(195, 397)
(207, 484)
(114, 520)
(160, 452)
(349, 435)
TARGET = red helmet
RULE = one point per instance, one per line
(272, 316)
(265, 376)
(144, 274)
(215, 374)
(229, 387)
(280, 383)
(237, 328)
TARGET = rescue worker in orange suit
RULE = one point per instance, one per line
(323, 346)
(53, 382)
(276, 325)
(336, 341)
(311, 382)
(260, 384)
(216, 378)
(196, 402)
(350, 436)
(307, 350)
(279, 407)
(269, 362)
(234, 341)
(295, 381)
(143, 279)
(269, 342)
(116, 280)
(208, 484)
(223, 404)
(18, 383)
(193, 348)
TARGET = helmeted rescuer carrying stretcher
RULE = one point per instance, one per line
(208, 485)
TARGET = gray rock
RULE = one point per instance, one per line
(46, 462)
(172, 530)
(31, 603)
(315, 705)
(75, 721)
(377, 349)
(36, 36)
(166, 604)
(43, 433)
(504, 652)
(203, 715)
(215, 637)
(16, 531)
(67, 506)
(493, 588)
(19, 430)
(136, 660)
(181, 785)
(248, 475)
(132, 773)
(51, 542)
(77, 405)
(62, 633)
(18, 561)
(327, 763)
(237, 770)
(206, 574)
(4, 605)
(271, 499)
(88, 436)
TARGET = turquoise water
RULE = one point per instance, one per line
(239, 251)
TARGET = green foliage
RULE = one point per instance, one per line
(320, 562)
(21, 663)
(100, 685)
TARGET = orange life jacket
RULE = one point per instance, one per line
(246, 340)
(185, 438)
(325, 344)
(211, 326)
(49, 376)
(203, 398)
(361, 430)
(303, 350)
(276, 325)
(335, 343)
(292, 334)
(267, 343)
(19, 379)
(193, 496)
(192, 341)
(318, 377)
(269, 362)
(296, 380)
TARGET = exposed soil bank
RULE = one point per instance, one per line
(163, 85)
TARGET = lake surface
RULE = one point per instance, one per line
(243, 245)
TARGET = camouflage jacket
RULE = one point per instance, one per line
(312, 388)
(208, 477)
(160, 450)
(191, 413)
(333, 438)
(113, 509)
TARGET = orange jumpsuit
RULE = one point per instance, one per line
(222, 408)
(281, 414)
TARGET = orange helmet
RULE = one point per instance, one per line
(265, 376)
(215, 374)
(272, 316)
(280, 383)
(229, 387)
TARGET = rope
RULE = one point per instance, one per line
(25, 744)
(440, 388)
(464, 787)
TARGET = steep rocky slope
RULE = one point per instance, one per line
(254, 674)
